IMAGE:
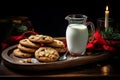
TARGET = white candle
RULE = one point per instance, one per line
(106, 18)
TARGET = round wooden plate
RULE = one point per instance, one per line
(11, 61)
(14, 62)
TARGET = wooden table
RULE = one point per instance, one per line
(108, 68)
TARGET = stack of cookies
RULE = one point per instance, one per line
(26, 48)
(44, 48)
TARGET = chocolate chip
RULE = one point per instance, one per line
(42, 49)
(24, 40)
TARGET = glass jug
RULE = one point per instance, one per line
(77, 33)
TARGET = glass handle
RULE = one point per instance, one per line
(93, 31)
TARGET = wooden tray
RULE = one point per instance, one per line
(11, 61)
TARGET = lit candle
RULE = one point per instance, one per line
(106, 18)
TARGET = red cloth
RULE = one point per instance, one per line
(15, 39)
(99, 43)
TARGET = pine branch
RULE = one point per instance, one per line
(111, 33)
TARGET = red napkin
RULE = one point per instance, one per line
(99, 43)
(15, 39)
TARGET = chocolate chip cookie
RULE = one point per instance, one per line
(26, 49)
(60, 49)
(46, 54)
(28, 43)
(18, 53)
(41, 38)
(56, 43)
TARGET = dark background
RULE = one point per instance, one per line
(48, 17)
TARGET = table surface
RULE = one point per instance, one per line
(108, 68)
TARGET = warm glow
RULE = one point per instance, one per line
(106, 8)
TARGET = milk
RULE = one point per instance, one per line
(76, 37)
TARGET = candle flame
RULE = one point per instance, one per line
(107, 8)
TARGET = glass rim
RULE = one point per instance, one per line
(103, 19)
(76, 16)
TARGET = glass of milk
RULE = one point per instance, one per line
(77, 35)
